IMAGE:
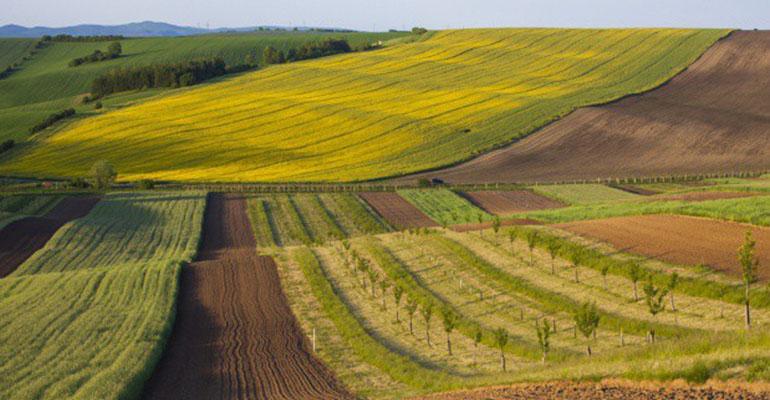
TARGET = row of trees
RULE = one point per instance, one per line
(113, 51)
(271, 55)
(52, 119)
(161, 75)
(70, 38)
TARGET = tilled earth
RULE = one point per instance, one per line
(235, 336)
(20, 239)
(399, 213)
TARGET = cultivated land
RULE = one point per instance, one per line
(235, 336)
(398, 212)
(45, 84)
(401, 109)
(679, 240)
(510, 202)
(713, 118)
(445, 206)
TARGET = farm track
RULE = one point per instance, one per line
(235, 336)
(20, 239)
(679, 239)
(398, 212)
(711, 118)
(605, 391)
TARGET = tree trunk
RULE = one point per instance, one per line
(411, 331)
(397, 320)
(448, 344)
(577, 278)
(748, 309)
(636, 294)
(542, 360)
(652, 336)
(553, 267)
(588, 349)
(673, 305)
(502, 359)
(605, 282)
(531, 261)
(427, 334)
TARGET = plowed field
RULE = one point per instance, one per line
(20, 239)
(712, 118)
(510, 202)
(399, 213)
(679, 239)
(608, 391)
(235, 336)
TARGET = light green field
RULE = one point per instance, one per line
(46, 84)
(86, 317)
(445, 206)
(361, 116)
(13, 50)
(580, 194)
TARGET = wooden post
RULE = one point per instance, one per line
(622, 340)
(313, 340)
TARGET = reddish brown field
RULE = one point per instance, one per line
(679, 239)
(235, 336)
(712, 118)
(20, 239)
(607, 391)
(399, 213)
(704, 196)
(510, 202)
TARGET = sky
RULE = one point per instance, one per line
(394, 14)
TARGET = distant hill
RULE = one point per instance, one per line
(134, 29)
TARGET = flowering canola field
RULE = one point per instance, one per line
(405, 108)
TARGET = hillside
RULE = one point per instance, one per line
(361, 116)
(713, 118)
(46, 84)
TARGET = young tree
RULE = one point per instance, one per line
(604, 270)
(655, 299)
(384, 286)
(427, 314)
(104, 174)
(449, 319)
(398, 292)
(544, 337)
(531, 242)
(511, 237)
(478, 334)
(115, 49)
(586, 321)
(750, 265)
(411, 308)
(673, 282)
(501, 339)
(553, 248)
(496, 225)
(576, 258)
(635, 273)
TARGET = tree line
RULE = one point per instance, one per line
(70, 38)
(113, 51)
(52, 119)
(307, 51)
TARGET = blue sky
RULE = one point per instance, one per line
(400, 14)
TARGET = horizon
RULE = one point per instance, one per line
(401, 15)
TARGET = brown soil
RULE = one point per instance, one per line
(712, 118)
(703, 196)
(607, 391)
(235, 336)
(488, 225)
(510, 202)
(679, 239)
(399, 213)
(20, 239)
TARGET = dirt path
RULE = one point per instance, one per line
(235, 336)
(22, 238)
(679, 239)
(712, 118)
(606, 391)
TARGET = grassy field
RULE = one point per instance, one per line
(46, 84)
(366, 115)
(445, 206)
(12, 51)
(584, 193)
(20, 206)
(87, 316)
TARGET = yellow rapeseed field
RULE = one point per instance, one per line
(367, 115)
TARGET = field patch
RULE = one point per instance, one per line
(399, 213)
(398, 110)
(679, 239)
(591, 193)
(445, 206)
(510, 202)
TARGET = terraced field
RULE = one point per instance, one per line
(87, 316)
(403, 109)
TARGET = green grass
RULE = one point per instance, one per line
(445, 206)
(88, 315)
(581, 194)
(46, 84)
(13, 50)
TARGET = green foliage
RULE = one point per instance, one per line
(103, 174)
(544, 336)
(587, 319)
(749, 262)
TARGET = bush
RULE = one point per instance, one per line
(79, 183)
(419, 30)
(113, 51)
(7, 145)
(146, 184)
(103, 174)
(98, 105)
(52, 119)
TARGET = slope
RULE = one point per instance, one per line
(713, 118)
(368, 115)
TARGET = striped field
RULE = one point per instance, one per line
(405, 108)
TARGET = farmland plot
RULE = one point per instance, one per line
(102, 293)
(510, 202)
(585, 193)
(399, 213)
(444, 206)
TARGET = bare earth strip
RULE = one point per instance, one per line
(712, 118)
(511, 201)
(606, 391)
(235, 336)
(399, 213)
(20, 239)
(703, 196)
(679, 239)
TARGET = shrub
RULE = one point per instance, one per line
(52, 119)
(6, 145)
(419, 30)
(146, 184)
(103, 174)
(98, 105)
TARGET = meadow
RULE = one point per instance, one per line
(87, 316)
(405, 108)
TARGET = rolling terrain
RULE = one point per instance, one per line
(712, 118)
(369, 115)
